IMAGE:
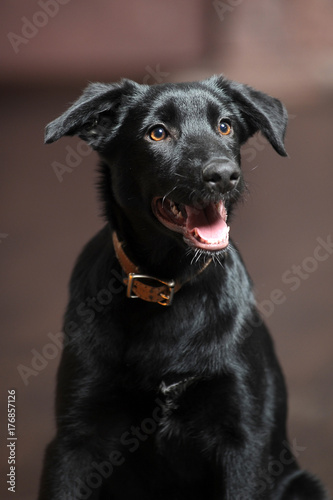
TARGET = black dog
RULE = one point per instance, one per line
(169, 387)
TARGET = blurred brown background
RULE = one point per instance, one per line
(50, 49)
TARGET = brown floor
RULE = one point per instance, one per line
(46, 222)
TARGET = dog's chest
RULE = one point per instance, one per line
(171, 396)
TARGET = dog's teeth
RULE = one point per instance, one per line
(223, 240)
(174, 209)
(221, 210)
(197, 235)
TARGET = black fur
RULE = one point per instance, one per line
(184, 402)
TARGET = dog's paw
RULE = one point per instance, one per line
(303, 486)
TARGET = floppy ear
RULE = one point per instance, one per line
(94, 117)
(259, 112)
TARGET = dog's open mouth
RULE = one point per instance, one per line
(204, 228)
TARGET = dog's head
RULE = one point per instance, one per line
(171, 152)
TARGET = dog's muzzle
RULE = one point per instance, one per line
(204, 227)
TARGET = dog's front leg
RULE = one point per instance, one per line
(81, 459)
(241, 477)
(68, 472)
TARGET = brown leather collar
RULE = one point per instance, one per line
(142, 286)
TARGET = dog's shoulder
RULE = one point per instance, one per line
(93, 264)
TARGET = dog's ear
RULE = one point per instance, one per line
(95, 116)
(259, 112)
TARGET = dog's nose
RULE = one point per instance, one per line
(221, 175)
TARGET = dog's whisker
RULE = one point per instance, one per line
(180, 175)
(167, 194)
(217, 259)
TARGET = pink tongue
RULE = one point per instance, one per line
(209, 223)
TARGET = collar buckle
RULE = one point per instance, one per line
(162, 293)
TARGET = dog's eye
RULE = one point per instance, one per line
(158, 133)
(224, 127)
